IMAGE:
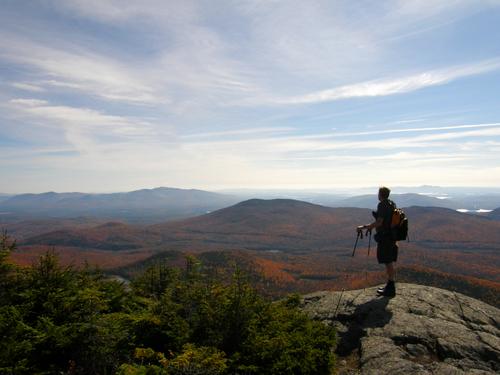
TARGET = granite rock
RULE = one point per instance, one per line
(423, 330)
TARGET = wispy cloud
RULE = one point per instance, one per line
(318, 144)
(200, 65)
(28, 103)
(86, 130)
(79, 117)
(198, 93)
(390, 157)
(417, 130)
(205, 65)
(409, 121)
(78, 69)
(385, 87)
(27, 86)
(239, 132)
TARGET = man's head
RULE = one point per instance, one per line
(383, 193)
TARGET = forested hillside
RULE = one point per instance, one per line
(290, 246)
(56, 319)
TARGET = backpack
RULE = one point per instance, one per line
(399, 225)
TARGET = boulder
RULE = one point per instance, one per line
(423, 330)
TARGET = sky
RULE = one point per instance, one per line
(113, 95)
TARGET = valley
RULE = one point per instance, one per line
(286, 245)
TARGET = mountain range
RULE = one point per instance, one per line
(495, 214)
(296, 245)
(146, 205)
(280, 224)
(471, 202)
(157, 205)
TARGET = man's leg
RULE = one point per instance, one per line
(389, 268)
(390, 288)
(387, 254)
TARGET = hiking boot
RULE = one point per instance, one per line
(382, 289)
(388, 291)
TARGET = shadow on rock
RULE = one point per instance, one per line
(371, 314)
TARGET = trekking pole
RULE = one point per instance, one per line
(360, 234)
(338, 303)
(369, 235)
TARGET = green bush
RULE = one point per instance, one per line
(57, 319)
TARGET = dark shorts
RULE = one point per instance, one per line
(387, 251)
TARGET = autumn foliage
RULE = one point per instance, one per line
(289, 246)
(56, 319)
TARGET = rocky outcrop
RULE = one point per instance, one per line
(423, 330)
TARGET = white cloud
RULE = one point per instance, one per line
(227, 76)
(275, 161)
(398, 157)
(423, 9)
(197, 64)
(117, 11)
(409, 121)
(74, 116)
(416, 130)
(193, 66)
(491, 132)
(83, 128)
(389, 86)
(28, 102)
(280, 44)
(302, 160)
(74, 68)
(27, 86)
(239, 132)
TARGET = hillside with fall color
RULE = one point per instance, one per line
(280, 224)
(291, 245)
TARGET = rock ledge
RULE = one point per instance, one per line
(423, 330)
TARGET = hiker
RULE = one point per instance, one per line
(387, 248)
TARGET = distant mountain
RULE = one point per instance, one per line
(162, 204)
(454, 191)
(470, 202)
(495, 214)
(22, 229)
(295, 245)
(290, 225)
(43, 200)
(401, 200)
(434, 226)
(277, 224)
(146, 205)
(4, 197)
(109, 236)
(477, 201)
(281, 225)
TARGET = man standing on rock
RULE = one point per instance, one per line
(387, 248)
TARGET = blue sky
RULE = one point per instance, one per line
(111, 95)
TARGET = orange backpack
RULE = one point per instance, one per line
(399, 225)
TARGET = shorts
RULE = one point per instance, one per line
(387, 251)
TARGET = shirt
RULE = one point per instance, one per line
(384, 211)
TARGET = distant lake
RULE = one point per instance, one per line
(480, 211)
(436, 195)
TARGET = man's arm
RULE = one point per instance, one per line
(376, 224)
(379, 215)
